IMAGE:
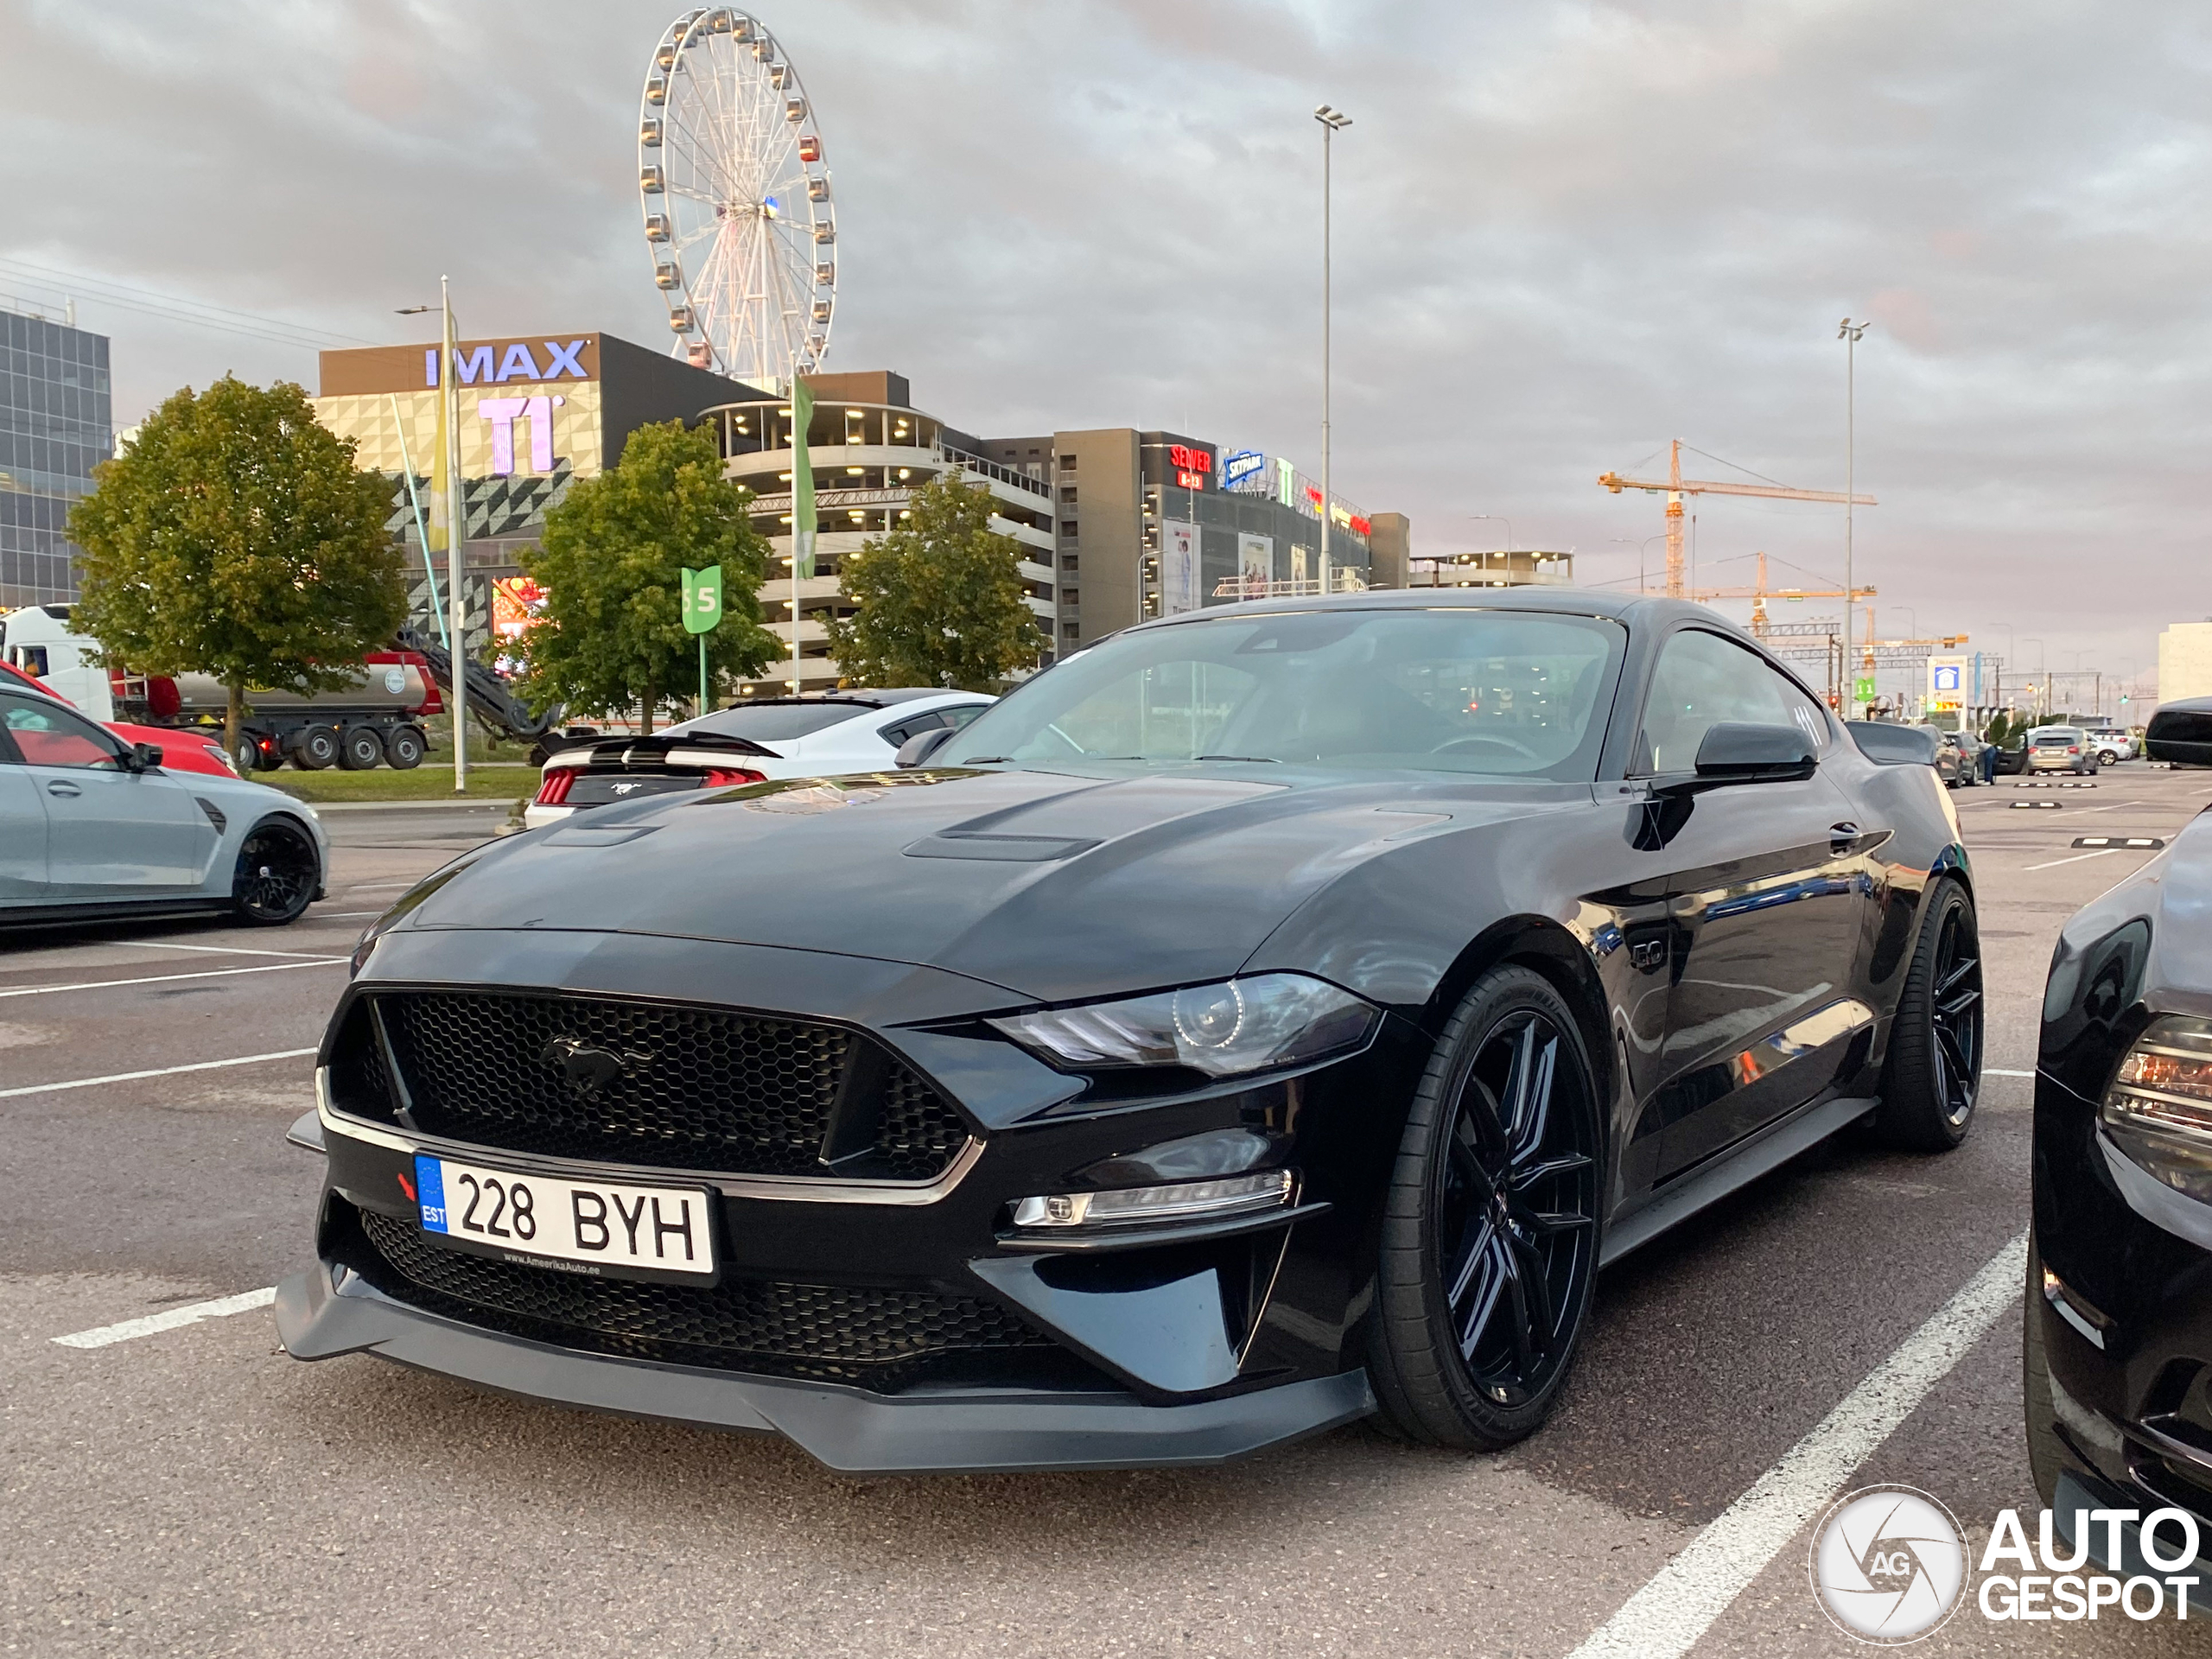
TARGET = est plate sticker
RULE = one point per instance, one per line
(589, 1227)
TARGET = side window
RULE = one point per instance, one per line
(960, 716)
(1805, 714)
(1702, 680)
(898, 733)
(47, 735)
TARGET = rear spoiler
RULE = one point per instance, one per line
(619, 751)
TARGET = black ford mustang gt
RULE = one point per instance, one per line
(1267, 1017)
(2119, 1328)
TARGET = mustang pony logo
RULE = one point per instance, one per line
(590, 1069)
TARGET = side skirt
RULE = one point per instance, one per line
(110, 910)
(1773, 1147)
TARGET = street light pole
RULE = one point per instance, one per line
(1849, 334)
(457, 642)
(1331, 121)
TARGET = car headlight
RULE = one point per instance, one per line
(1224, 1029)
(2159, 1109)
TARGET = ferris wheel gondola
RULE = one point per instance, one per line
(738, 212)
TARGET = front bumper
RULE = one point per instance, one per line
(849, 1429)
(943, 1337)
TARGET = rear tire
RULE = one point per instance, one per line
(403, 747)
(1933, 1074)
(277, 876)
(247, 756)
(360, 749)
(314, 747)
(1490, 1229)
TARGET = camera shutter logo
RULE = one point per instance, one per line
(1889, 1565)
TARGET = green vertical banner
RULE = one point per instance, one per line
(802, 483)
(702, 613)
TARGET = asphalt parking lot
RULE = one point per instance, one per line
(191, 1490)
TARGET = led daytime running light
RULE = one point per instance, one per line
(1182, 1201)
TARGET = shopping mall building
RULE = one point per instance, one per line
(1111, 526)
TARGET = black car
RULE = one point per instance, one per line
(1265, 1018)
(2118, 1342)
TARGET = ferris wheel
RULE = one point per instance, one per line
(736, 196)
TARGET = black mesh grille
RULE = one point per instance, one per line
(877, 1337)
(661, 1085)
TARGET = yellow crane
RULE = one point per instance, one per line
(1676, 486)
(1759, 593)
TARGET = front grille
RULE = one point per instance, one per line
(676, 1087)
(880, 1339)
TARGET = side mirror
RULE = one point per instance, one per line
(144, 757)
(2181, 733)
(1738, 752)
(917, 749)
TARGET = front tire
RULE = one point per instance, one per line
(1489, 1230)
(1933, 1074)
(277, 875)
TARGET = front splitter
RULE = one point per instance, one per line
(849, 1429)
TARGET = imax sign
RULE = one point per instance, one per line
(515, 360)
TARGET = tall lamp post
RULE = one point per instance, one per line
(457, 630)
(1332, 121)
(1849, 334)
(1497, 518)
(1630, 541)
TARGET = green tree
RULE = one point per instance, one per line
(235, 537)
(938, 600)
(611, 562)
(1998, 731)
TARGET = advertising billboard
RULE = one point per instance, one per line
(1179, 568)
(1947, 683)
(1255, 564)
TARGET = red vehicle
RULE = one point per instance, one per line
(181, 751)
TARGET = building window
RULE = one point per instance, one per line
(1071, 630)
(1067, 463)
(1070, 596)
(1067, 562)
(1067, 493)
(1067, 526)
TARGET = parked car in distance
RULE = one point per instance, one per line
(2117, 1349)
(2114, 744)
(1954, 762)
(816, 735)
(2061, 749)
(93, 826)
(182, 750)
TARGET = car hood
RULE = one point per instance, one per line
(1053, 884)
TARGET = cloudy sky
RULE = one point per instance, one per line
(1565, 233)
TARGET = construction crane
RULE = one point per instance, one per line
(1676, 486)
(1759, 593)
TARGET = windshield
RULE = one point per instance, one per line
(1511, 693)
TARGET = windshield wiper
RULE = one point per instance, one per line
(1257, 759)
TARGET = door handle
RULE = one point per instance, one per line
(57, 787)
(1842, 837)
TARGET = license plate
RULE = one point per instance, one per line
(588, 1227)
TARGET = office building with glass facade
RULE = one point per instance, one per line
(56, 424)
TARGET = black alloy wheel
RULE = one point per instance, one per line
(1489, 1237)
(1933, 1074)
(276, 876)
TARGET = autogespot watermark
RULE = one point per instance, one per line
(1890, 1564)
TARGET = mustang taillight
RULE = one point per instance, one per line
(723, 777)
(555, 788)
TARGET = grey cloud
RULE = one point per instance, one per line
(1564, 233)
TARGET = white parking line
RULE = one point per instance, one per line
(2076, 859)
(153, 1323)
(162, 979)
(2000, 1072)
(1666, 1618)
(163, 1072)
(210, 949)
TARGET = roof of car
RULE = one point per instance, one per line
(871, 698)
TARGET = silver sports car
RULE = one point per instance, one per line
(90, 825)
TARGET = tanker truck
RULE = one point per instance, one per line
(376, 720)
